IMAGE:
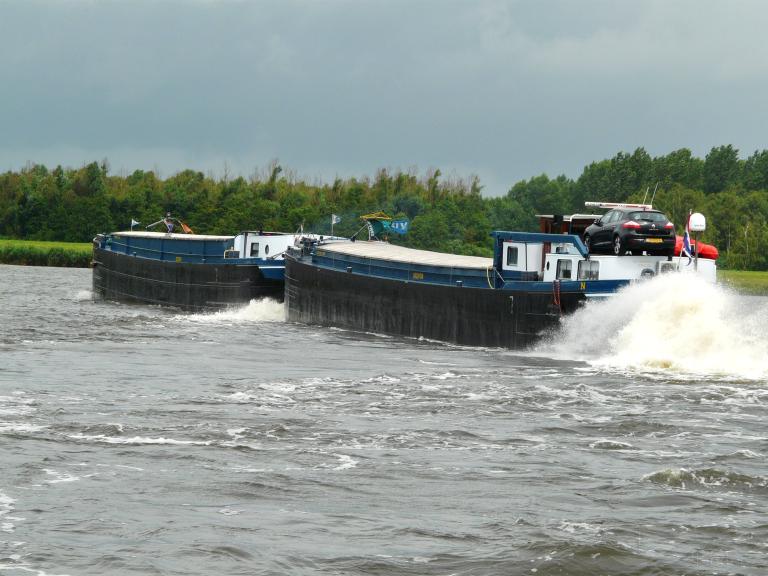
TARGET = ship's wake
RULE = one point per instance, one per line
(673, 323)
(262, 310)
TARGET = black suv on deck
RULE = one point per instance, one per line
(631, 229)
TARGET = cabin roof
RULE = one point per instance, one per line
(393, 253)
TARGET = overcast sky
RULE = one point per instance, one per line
(505, 90)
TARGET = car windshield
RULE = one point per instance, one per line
(648, 216)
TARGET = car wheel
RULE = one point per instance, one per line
(618, 246)
(588, 243)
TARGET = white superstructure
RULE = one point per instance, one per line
(264, 245)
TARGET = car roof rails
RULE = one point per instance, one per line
(617, 205)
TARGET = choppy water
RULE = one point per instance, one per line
(138, 440)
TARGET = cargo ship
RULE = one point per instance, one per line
(194, 272)
(509, 300)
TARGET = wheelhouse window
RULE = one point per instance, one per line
(255, 250)
(589, 270)
(511, 255)
(564, 269)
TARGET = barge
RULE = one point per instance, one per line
(194, 272)
(508, 301)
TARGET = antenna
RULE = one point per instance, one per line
(654, 192)
(646, 193)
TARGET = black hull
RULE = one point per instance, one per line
(194, 287)
(467, 316)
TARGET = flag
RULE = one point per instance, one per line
(399, 226)
(335, 219)
(185, 228)
(687, 242)
(134, 223)
(687, 245)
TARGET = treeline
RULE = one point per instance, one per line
(446, 214)
(731, 192)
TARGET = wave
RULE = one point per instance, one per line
(83, 296)
(345, 462)
(20, 427)
(6, 507)
(708, 478)
(136, 440)
(59, 477)
(262, 310)
(674, 323)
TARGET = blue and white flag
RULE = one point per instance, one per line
(399, 226)
(134, 223)
(687, 243)
(335, 219)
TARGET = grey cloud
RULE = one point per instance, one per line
(506, 90)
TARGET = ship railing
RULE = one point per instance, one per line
(134, 250)
(496, 274)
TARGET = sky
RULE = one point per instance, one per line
(504, 90)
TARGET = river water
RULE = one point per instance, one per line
(140, 440)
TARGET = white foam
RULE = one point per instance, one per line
(6, 507)
(262, 310)
(83, 296)
(605, 444)
(384, 378)
(578, 527)
(445, 376)
(240, 397)
(278, 387)
(345, 462)
(236, 433)
(19, 428)
(136, 440)
(59, 477)
(16, 399)
(34, 571)
(673, 323)
(126, 467)
(471, 396)
(749, 454)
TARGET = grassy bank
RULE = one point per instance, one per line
(33, 253)
(745, 281)
(78, 255)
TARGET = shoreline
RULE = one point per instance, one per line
(41, 253)
(79, 255)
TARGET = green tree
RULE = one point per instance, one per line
(756, 171)
(721, 168)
